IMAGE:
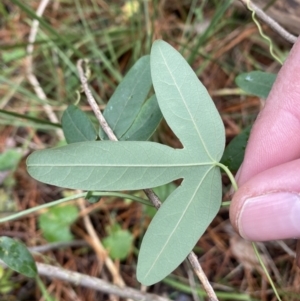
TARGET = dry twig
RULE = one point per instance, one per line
(94, 283)
(29, 68)
(151, 195)
(99, 249)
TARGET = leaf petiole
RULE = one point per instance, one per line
(229, 174)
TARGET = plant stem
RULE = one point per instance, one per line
(230, 175)
(93, 102)
(235, 186)
(70, 198)
(265, 270)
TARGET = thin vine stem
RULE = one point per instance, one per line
(265, 270)
(70, 198)
(271, 22)
(275, 56)
(230, 175)
(235, 187)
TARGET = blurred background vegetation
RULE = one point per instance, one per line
(220, 41)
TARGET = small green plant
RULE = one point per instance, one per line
(56, 223)
(118, 243)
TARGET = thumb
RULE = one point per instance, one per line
(267, 207)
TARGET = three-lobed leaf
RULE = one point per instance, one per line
(185, 215)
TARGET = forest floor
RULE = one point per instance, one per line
(220, 41)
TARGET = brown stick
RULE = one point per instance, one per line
(94, 283)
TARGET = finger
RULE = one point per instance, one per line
(267, 207)
(275, 137)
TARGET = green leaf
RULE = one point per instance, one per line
(77, 126)
(185, 215)
(109, 165)
(16, 256)
(234, 153)
(118, 243)
(186, 104)
(23, 120)
(56, 222)
(9, 159)
(146, 121)
(256, 82)
(193, 117)
(127, 100)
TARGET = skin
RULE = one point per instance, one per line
(267, 203)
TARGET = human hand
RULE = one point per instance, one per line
(267, 203)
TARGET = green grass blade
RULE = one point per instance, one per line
(33, 119)
(219, 13)
(47, 26)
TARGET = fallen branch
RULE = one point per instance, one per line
(97, 284)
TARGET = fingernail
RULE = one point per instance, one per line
(270, 217)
